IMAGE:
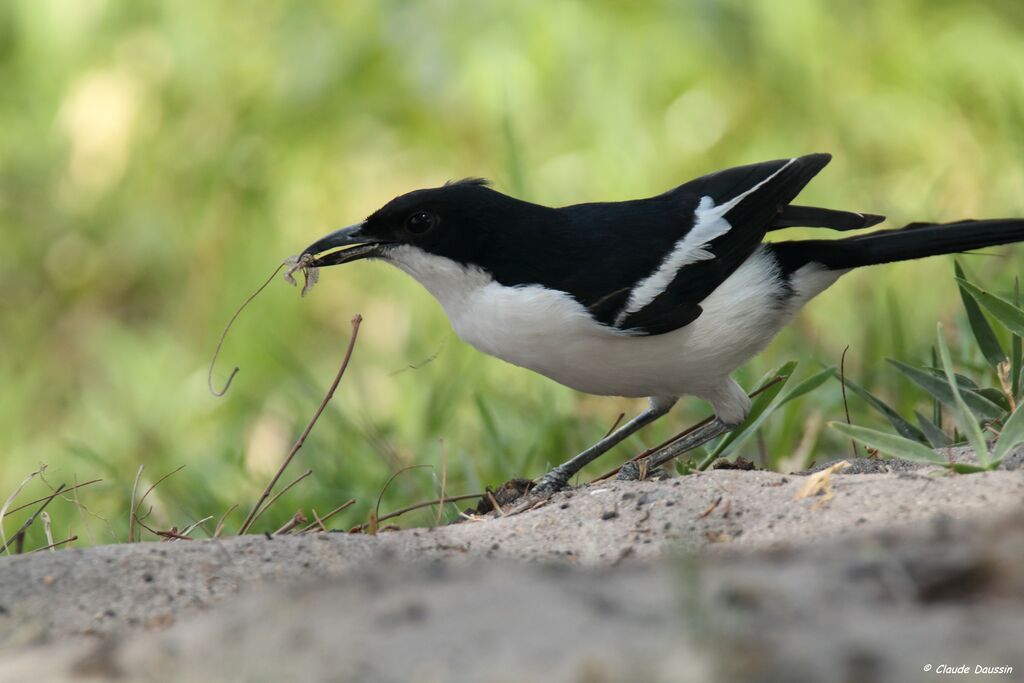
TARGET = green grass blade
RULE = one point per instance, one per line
(966, 418)
(936, 437)
(1016, 349)
(983, 332)
(964, 468)
(808, 385)
(1009, 315)
(992, 394)
(1012, 434)
(905, 429)
(763, 406)
(891, 444)
(940, 389)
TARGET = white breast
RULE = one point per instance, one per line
(551, 333)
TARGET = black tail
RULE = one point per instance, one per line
(914, 241)
(793, 216)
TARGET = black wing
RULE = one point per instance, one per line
(733, 210)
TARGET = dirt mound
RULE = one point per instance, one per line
(725, 574)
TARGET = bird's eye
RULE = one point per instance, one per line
(420, 222)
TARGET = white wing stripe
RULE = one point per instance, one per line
(709, 224)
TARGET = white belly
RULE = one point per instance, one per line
(549, 332)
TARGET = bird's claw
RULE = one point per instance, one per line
(550, 484)
(629, 472)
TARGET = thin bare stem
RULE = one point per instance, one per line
(39, 500)
(191, 527)
(356, 321)
(280, 493)
(419, 506)
(322, 520)
(444, 481)
(297, 519)
(376, 508)
(317, 522)
(10, 499)
(28, 522)
(224, 334)
(223, 518)
(495, 504)
(135, 511)
(614, 425)
(47, 527)
(69, 539)
(131, 506)
(842, 386)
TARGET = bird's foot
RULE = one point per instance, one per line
(639, 470)
(551, 483)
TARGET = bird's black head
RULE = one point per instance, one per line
(449, 221)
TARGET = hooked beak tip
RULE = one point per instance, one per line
(358, 246)
(345, 237)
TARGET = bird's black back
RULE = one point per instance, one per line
(599, 252)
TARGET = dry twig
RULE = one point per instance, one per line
(356, 321)
(10, 499)
(69, 539)
(224, 334)
(39, 500)
(444, 481)
(614, 425)
(192, 527)
(317, 522)
(131, 505)
(375, 517)
(710, 508)
(322, 520)
(135, 510)
(19, 534)
(47, 529)
(842, 386)
(297, 519)
(270, 503)
(419, 506)
(223, 518)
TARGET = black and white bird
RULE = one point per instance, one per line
(659, 298)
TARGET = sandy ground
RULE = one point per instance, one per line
(717, 576)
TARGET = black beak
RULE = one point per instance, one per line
(353, 243)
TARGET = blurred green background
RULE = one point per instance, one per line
(159, 159)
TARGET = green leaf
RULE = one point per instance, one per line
(899, 424)
(1009, 315)
(983, 332)
(940, 389)
(1012, 434)
(763, 406)
(936, 437)
(965, 468)
(808, 385)
(992, 394)
(965, 417)
(1016, 348)
(891, 444)
(962, 381)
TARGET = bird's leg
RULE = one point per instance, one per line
(731, 404)
(558, 477)
(695, 439)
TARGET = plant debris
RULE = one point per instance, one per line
(310, 273)
(819, 483)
